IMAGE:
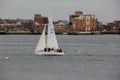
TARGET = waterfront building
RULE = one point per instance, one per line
(117, 25)
(114, 27)
(110, 28)
(61, 26)
(17, 26)
(83, 22)
(39, 22)
(86, 22)
(72, 18)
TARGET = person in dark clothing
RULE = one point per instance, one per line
(48, 49)
(45, 49)
(57, 50)
(60, 50)
(52, 49)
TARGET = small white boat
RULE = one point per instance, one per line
(7, 58)
(47, 44)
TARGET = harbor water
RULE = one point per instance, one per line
(87, 57)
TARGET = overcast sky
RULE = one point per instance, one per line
(105, 10)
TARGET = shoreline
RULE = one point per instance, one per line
(61, 33)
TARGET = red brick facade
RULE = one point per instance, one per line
(86, 23)
(83, 22)
(40, 19)
(39, 22)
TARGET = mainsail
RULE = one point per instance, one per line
(51, 38)
(42, 41)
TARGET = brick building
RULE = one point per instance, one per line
(39, 21)
(86, 22)
(83, 22)
(72, 18)
(112, 27)
(60, 26)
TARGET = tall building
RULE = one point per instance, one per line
(39, 21)
(86, 22)
(73, 16)
(83, 22)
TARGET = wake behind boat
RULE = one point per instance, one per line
(48, 45)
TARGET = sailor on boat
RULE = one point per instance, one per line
(52, 49)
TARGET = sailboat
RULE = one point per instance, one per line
(47, 44)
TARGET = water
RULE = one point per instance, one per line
(88, 57)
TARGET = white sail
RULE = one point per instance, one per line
(42, 42)
(45, 44)
(51, 38)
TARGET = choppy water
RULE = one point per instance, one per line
(88, 57)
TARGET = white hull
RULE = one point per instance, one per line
(51, 53)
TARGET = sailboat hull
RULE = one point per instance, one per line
(49, 53)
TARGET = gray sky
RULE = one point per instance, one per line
(105, 10)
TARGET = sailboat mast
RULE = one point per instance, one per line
(45, 35)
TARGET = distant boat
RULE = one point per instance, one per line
(47, 44)
(7, 58)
